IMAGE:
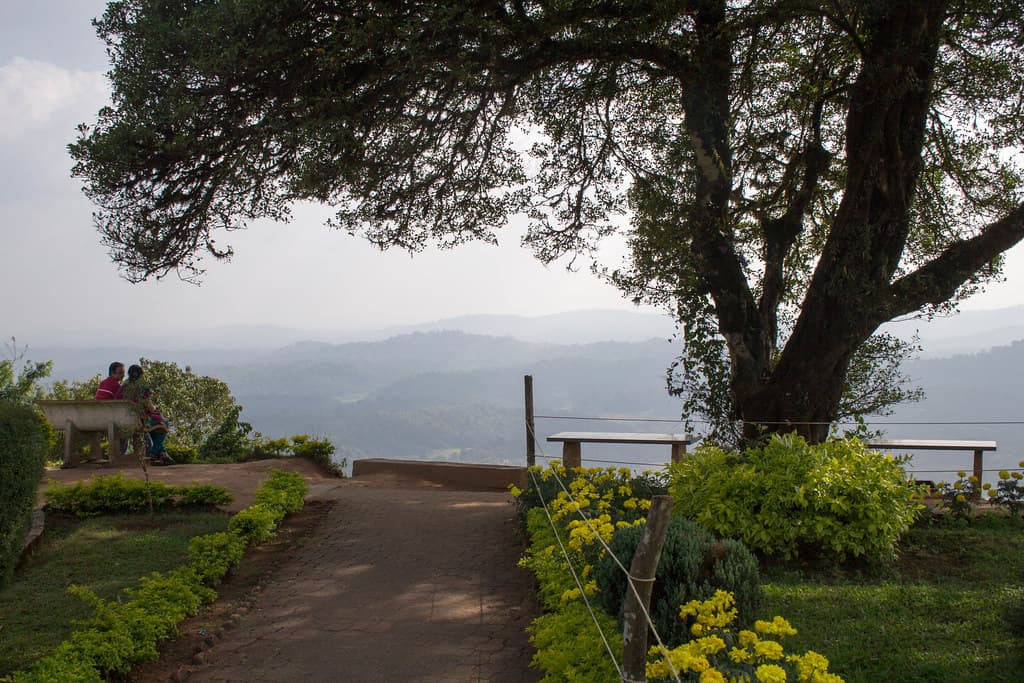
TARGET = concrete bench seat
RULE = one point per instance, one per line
(94, 419)
(572, 455)
(978, 448)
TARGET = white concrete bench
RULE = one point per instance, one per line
(978, 447)
(572, 443)
(93, 418)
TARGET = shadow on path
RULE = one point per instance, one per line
(403, 583)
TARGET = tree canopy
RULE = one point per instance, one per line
(790, 174)
(195, 405)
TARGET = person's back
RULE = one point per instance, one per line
(111, 389)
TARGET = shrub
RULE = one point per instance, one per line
(114, 493)
(183, 455)
(285, 490)
(958, 497)
(789, 498)
(719, 651)
(213, 555)
(693, 566)
(201, 495)
(610, 483)
(568, 646)
(24, 441)
(544, 559)
(230, 442)
(319, 451)
(1009, 491)
(255, 523)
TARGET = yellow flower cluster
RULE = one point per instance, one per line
(597, 503)
(708, 615)
(765, 659)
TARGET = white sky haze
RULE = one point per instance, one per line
(57, 281)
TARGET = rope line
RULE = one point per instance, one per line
(579, 585)
(777, 422)
(662, 464)
(608, 550)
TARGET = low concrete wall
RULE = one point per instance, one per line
(455, 475)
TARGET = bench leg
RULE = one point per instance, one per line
(70, 454)
(95, 449)
(113, 444)
(978, 471)
(572, 454)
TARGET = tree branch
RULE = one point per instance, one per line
(938, 280)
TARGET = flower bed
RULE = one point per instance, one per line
(571, 516)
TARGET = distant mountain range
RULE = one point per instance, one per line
(439, 391)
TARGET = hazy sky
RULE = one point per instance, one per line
(56, 276)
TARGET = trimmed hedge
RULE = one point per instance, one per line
(115, 493)
(24, 442)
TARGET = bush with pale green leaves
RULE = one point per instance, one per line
(792, 499)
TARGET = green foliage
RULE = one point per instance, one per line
(958, 497)
(23, 446)
(733, 136)
(229, 442)
(67, 664)
(693, 566)
(255, 524)
(213, 555)
(1009, 491)
(284, 490)
(319, 451)
(789, 498)
(77, 390)
(606, 482)
(183, 455)
(20, 379)
(546, 561)
(115, 493)
(201, 495)
(569, 648)
(195, 405)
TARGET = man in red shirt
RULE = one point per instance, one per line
(110, 388)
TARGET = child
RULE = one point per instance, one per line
(157, 429)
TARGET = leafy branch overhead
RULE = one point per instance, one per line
(790, 175)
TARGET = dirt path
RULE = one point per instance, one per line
(376, 580)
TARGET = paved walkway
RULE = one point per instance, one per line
(399, 583)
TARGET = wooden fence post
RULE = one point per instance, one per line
(642, 571)
(531, 444)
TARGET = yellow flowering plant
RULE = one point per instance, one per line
(588, 505)
(958, 497)
(721, 652)
(1009, 491)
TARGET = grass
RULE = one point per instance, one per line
(942, 613)
(106, 554)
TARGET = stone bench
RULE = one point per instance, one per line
(978, 447)
(94, 419)
(572, 442)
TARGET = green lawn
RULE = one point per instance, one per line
(943, 613)
(106, 554)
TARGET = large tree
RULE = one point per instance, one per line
(794, 173)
